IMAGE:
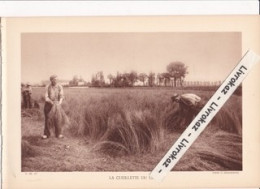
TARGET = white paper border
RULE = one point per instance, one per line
(127, 8)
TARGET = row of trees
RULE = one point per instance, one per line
(174, 76)
(76, 80)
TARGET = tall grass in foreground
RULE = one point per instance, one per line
(122, 124)
(135, 122)
(217, 151)
(130, 121)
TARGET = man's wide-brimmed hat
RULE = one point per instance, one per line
(53, 77)
(175, 96)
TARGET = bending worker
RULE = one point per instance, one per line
(189, 104)
(53, 95)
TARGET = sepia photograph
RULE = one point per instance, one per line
(99, 102)
(117, 101)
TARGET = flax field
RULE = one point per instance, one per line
(128, 129)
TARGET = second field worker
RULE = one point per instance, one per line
(189, 105)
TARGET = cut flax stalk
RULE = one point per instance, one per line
(57, 117)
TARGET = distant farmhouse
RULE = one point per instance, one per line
(81, 83)
(64, 82)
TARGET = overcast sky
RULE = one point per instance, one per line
(209, 56)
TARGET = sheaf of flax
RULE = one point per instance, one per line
(58, 117)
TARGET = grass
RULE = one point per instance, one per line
(221, 152)
(133, 126)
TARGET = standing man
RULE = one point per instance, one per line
(189, 105)
(27, 93)
(53, 95)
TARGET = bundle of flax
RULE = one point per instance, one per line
(57, 116)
